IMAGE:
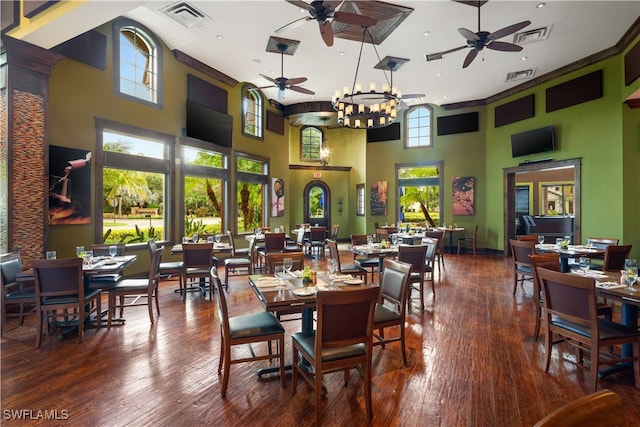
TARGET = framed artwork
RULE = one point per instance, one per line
(379, 198)
(277, 197)
(463, 195)
(69, 186)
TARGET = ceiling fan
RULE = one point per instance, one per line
(481, 39)
(283, 83)
(322, 11)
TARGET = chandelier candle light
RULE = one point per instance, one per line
(371, 109)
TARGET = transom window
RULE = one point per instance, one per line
(251, 111)
(419, 129)
(310, 143)
(137, 64)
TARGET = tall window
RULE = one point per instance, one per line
(137, 62)
(205, 175)
(251, 181)
(251, 111)
(134, 183)
(419, 129)
(360, 200)
(310, 143)
(420, 195)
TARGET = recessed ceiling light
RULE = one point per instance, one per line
(341, 53)
(540, 5)
(426, 33)
(272, 71)
(524, 58)
(438, 74)
(219, 36)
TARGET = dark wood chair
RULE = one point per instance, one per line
(167, 269)
(102, 249)
(370, 264)
(343, 340)
(571, 315)
(614, 257)
(392, 306)
(438, 234)
(527, 237)
(141, 291)
(350, 268)
(197, 261)
(14, 292)
(242, 263)
(469, 242)
(382, 234)
(520, 251)
(60, 288)
(416, 256)
(273, 242)
(316, 244)
(245, 329)
(273, 259)
(600, 409)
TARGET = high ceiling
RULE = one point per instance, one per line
(232, 37)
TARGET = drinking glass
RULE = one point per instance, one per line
(287, 263)
(584, 263)
(279, 275)
(394, 239)
(541, 239)
(88, 257)
(217, 238)
(631, 266)
(194, 237)
(51, 255)
(80, 251)
(113, 250)
(559, 241)
(332, 266)
(209, 239)
(370, 240)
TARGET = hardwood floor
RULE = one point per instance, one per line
(472, 362)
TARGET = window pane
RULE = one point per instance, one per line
(310, 143)
(419, 194)
(418, 127)
(120, 143)
(201, 157)
(203, 202)
(249, 165)
(250, 206)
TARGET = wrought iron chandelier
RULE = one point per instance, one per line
(373, 108)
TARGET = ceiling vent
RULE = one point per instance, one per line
(532, 36)
(185, 14)
(520, 75)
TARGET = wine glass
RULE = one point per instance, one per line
(540, 239)
(113, 250)
(584, 263)
(394, 239)
(332, 266)
(80, 251)
(194, 238)
(370, 240)
(217, 239)
(279, 275)
(287, 263)
(631, 267)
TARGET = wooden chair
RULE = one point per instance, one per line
(614, 257)
(520, 251)
(571, 314)
(316, 244)
(527, 237)
(416, 257)
(167, 269)
(102, 249)
(372, 264)
(343, 340)
(600, 409)
(245, 329)
(382, 234)
(59, 287)
(143, 291)
(197, 259)
(238, 262)
(438, 234)
(350, 268)
(392, 306)
(335, 228)
(469, 242)
(14, 292)
(273, 259)
(273, 242)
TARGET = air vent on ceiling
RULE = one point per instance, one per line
(520, 75)
(185, 14)
(532, 36)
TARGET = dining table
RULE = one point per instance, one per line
(221, 247)
(569, 252)
(450, 232)
(376, 251)
(292, 297)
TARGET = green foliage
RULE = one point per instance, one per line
(193, 225)
(132, 235)
(106, 235)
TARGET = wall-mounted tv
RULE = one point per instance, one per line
(533, 141)
(208, 124)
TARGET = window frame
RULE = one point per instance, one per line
(251, 95)
(360, 200)
(303, 143)
(405, 182)
(408, 128)
(118, 25)
(127, 161)
(263, 178)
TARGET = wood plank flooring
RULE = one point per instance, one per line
(472, 362)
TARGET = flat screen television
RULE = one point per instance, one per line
(533, 141)
(209, 125)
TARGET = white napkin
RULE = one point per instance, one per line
(344, 277)
(610, 285)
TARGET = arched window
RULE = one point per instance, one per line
(419, 127)
(310, 143)
(138, 59)
(251, 111)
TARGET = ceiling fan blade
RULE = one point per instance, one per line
(468, 34)
(354, 19)
(302, 90)
(296, 81)
(439, 55)
(470, 57)
(293, 24)
(508, 30)
(327, 33)
(300, 4)
(333, 5)
(267, 77)
(504, 46)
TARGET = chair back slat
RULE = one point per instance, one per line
(393, 288)
(102, 249)
(274, 242)
(57, 277)
(274, 259)
(569, 296)
(415, 255)
(197, 255)
(10, 266)
(614, 257)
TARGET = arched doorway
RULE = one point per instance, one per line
(317, 204)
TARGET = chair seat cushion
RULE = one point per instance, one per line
(351, 268)
(608, 329)
(242, 251)
(131, 285)
(21, 294)
(384, 314)
(237, 262)
(307, 341)
(195, 271)
(105, 278)
(175, 266)
(71, 299)
(292, 248)
(367, 262)
(254, 324)
(524, 269)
